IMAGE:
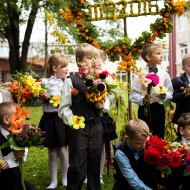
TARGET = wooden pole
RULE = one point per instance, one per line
(172, 50)
(46, 42)
(128, 74)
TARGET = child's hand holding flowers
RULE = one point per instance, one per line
(3, 165)
(161, 93)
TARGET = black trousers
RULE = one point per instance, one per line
(85, 146)
(10, 180)
(155, 119)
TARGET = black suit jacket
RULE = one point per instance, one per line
(182, 102)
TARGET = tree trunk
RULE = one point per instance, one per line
(18, 61)
(28, 33)
(12, 35)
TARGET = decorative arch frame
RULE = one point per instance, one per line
(126, 49)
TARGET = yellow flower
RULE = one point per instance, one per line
(77, 122)
(55, 101)
(161, 90)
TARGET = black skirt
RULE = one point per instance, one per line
(55, 130)
(109, 128)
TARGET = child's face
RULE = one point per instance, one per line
(185, 132)
(156, 57)
(88, 58)
(60, 72)
(6, 118)
(137, 143)
(186, 67)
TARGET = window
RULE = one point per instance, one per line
(183, 23)
(165, 56)
(183, 50)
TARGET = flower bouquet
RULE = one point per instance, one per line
(94, 80)
(147, 81)
(110, 80)
(22, 135)
(163, 154)
(186, 164)
(25, 88)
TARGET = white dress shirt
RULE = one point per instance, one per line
(137, 95)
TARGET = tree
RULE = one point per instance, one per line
(14, 13)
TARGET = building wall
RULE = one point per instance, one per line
(182, 40)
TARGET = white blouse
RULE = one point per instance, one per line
(53, 86)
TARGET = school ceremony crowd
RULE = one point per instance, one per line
(76, 125)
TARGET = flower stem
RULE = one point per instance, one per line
(21, 174)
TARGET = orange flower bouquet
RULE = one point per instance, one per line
(22, 135)
(25, 88)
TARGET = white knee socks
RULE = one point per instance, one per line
(52, 163)
(64, 164)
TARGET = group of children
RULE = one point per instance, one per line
(86, 145)
(131, 171)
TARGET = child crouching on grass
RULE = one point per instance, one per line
(10, 178)
(132, 173)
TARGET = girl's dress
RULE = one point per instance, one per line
(53, 126)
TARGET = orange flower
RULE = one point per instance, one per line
(17, 120)
(74, 92)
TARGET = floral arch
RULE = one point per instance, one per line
(128, 50)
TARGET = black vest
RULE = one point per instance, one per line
(6, 150)
(144, 171)
(80, 105)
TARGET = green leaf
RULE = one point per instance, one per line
(5, 145)
(15, 145)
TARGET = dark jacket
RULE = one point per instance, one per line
(182, 102)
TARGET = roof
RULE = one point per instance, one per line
(37, 61)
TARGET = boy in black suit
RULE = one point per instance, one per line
(181, 95)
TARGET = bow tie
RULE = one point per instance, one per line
(155, 70)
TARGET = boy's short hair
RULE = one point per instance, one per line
(148, 49)
(186, 59)
(136, 128)
(184, 120)
(83, 50)
(5, 109)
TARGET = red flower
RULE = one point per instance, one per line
(164, 160)
(176, 159)
(74, 92)
(103, 74)
(154, 78)
(151, 156)
(156, 143)
(188, 156)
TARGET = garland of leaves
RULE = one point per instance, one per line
(128, 51)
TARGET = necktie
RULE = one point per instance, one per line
(155, 70)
